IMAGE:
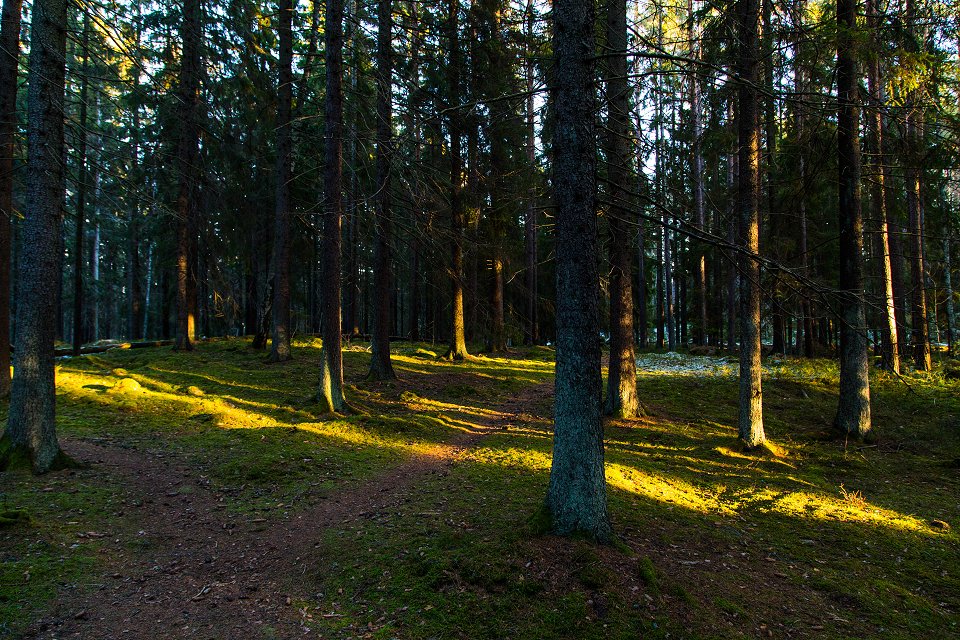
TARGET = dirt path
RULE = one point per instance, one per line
(202, 572)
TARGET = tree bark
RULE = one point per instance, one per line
(82, 179)
(750, 422)
(331, 367)
(530, 217)
(191, 35)
(891, 341)
(380, 366)
(31, 426)
(458, 346)
(576, 498)
(853, 410)
(700, 323)
(622, 370)
(10, 20)
(280, 342)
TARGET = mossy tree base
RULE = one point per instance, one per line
(20, 457)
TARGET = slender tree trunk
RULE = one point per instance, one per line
(891, 341)
(948, 291)
(135, 306)
(732, 226)
(331, 367)
(191, 35)
(31, 425)
(530, 217)
(622, 371)
(380, 366)
(280, 343)
(9, 61)
(576, 497)
(458, 345)
(748, 198)
(82, 179)
(700, 324)
(853, 411)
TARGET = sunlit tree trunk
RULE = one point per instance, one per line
(750, 423)
(191, 35)
(458, 344)
(31, 426)
(331, 357)
(576, 497)
(891, 342)
(380, 366)
(853, 411)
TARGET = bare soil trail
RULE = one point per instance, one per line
(203, 572)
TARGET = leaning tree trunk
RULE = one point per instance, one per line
(191, 30)
(576, 497)
(853, 410)
(458, 344)
(9, 60)
(331, 360)
(750, 422)
(280, 343)
(31, 426)
(380, 366)
(622, 371)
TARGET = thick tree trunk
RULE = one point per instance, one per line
(622, 371)
(280, 342)
(380, 366)
(191, 34)
(576, 497)
(31, 426)
(458, 345)
(331, 360)
(750, 422)
(9, 60)
(853, 410)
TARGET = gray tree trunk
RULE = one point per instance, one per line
(576, 497)
(853, 410)
(31, 427)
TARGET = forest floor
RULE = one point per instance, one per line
(217, 503)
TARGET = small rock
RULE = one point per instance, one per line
(125, 385)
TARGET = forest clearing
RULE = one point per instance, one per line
(217, 503)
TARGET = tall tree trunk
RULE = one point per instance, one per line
(380, 366)
(732, 227)
(31, 425)
(700, 324)
(82, 179)
(891, 341)
(622, 371)
(280, 343)
(750, 422)
(576, 497)
(853, 410)
(331, 366)
(948, 291)
(191, 35)
(778, 319)
(530, 216)
(135, 305)
(9, 61)
(458, 345)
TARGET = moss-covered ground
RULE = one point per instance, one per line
(812, 538)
